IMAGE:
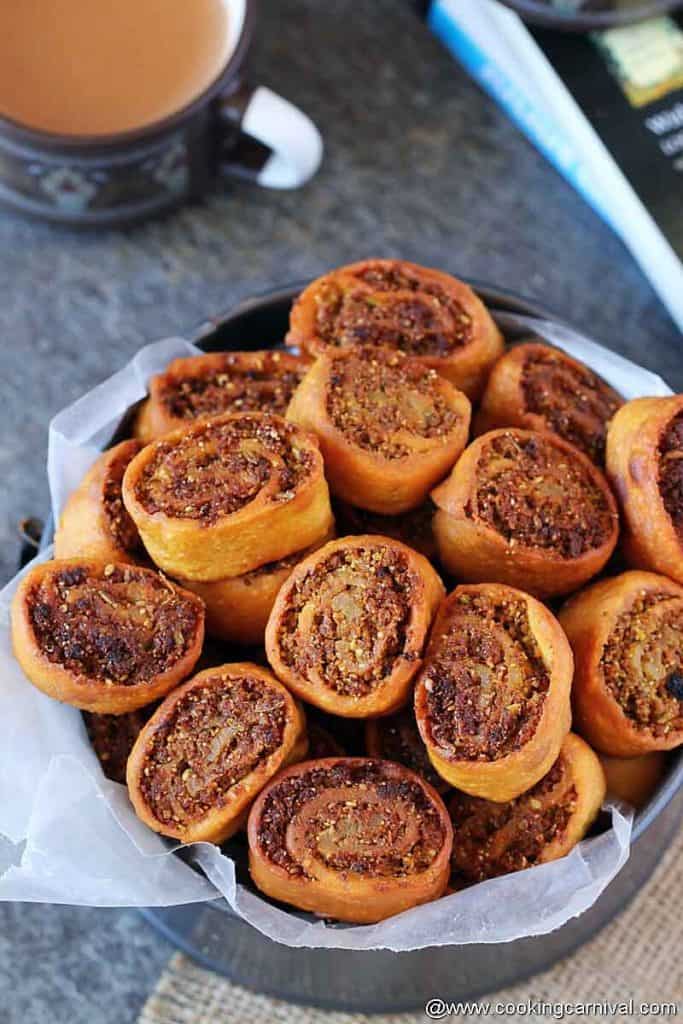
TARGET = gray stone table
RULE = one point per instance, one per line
(419, 164)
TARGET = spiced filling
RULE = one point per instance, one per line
(485, 679)
(573, 401)
(493, 839)
(643, 653)
(378, 400)
(390, 277)
(352, 819)
(536, 495)
(387, 305)
(215, 736)
(112, 738)
(217, 469)
(124, 627)
(122, 529)
(243, 383)
(671, 472)
(400, 741)
(346, 619)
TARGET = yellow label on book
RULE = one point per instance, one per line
(646, 59)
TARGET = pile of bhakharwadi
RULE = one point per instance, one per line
(352, 595)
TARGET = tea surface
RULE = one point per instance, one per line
(94, 67)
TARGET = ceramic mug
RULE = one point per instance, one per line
(231, 129)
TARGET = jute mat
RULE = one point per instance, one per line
(638, 957)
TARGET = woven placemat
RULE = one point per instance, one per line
(638, 957)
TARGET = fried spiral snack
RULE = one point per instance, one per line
(237, 608)
(350, 838)
(627, 636)
(228, 495)
(425, 313)
(526, 509)
(633, 779)
(492, 698)
(397, 738)
(645, 467)
(210, 748)
(105, 637)
(347, 629)
(542, 388)
(544, 824)
(198, 387)
(389, 428)
(413, 528)
(112, 737)
(95, 523)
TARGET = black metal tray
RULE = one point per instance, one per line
(378, 981)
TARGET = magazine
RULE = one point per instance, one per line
(605, 107)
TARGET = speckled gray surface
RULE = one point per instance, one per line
(419, 163)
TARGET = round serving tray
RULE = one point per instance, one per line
(380, 981)
(581, 18)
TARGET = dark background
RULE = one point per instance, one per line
(622, 127)
(419, 164)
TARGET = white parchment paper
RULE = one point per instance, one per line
(68, 835)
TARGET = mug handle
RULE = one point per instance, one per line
(266, 139)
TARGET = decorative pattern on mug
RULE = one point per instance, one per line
(98, 186)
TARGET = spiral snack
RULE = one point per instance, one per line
(105, 637)
(95, 523)
(526, 509)
(627, 636)
(237, 608)
(388, 427)
(355, 839)
(645, 467)
(347, 629)
(208, 750)
(633, 779)
(199, 387)
(228, 495)
(492, 698)
(542, 388)
(425, 313)
(541, 825)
